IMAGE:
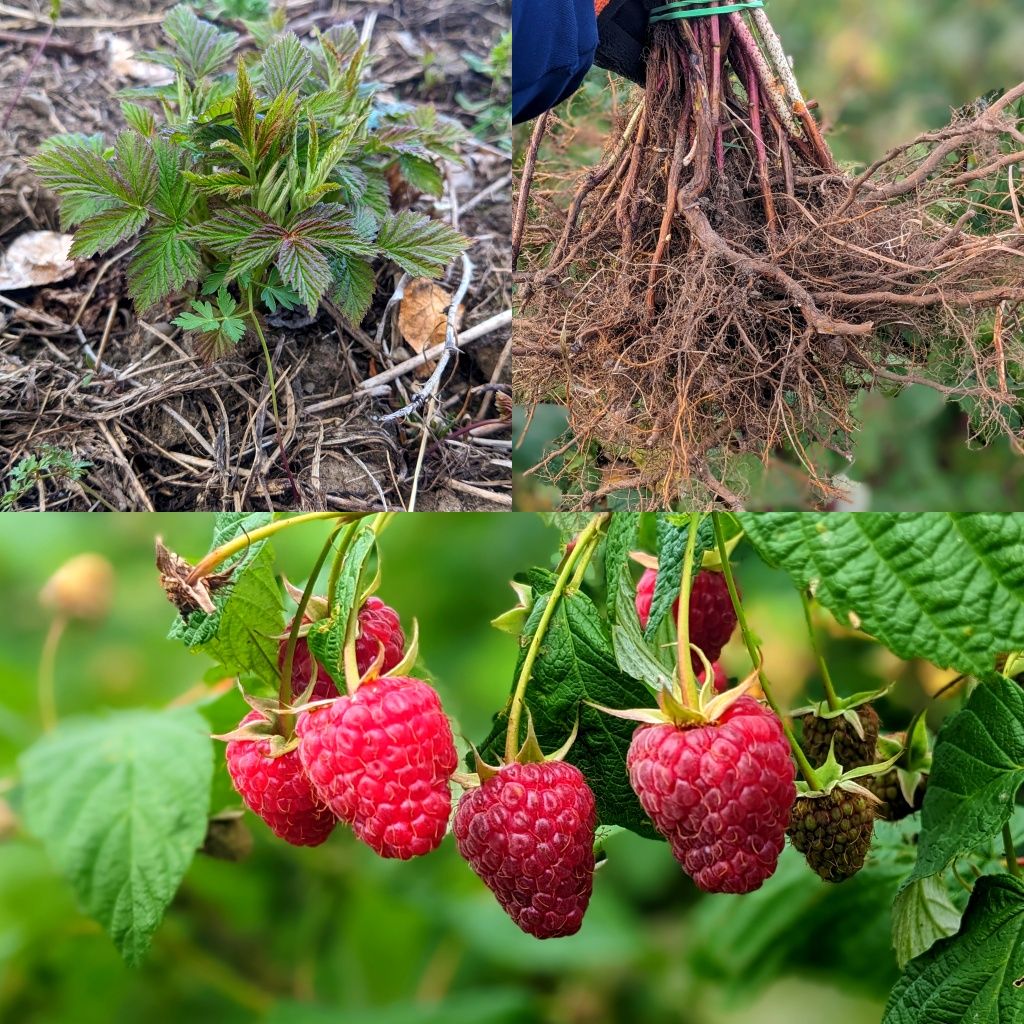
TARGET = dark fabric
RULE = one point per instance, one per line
(553, 45)
(623, 31)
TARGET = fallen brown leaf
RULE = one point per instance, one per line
(423, 317)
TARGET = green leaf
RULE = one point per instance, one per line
(632, 653)
(199, 45)
(977, 769)
(102, 231)
(421, 174)
(226, 231)
(354, 286)
(672, 530)
(142, 119)
(240, 633)
(576, 664)
(942, 586)
(120, 803)
(922, 913)
(243, 106)
(286, 65)
(305, 269)
(163, 262)
(974, 975)
(419, 245)
(137, 165)
(622, 532)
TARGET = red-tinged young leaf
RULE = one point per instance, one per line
(200, 46)
(305, 269)
(104, 230)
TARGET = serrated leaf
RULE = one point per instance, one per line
(973, 975)
(419, 245)
(239, 634)
(576, 664)
(226, 231)
(243, 108)
(632, 653)
(304, 269)
(621, 538)
(120, 803)
(421, 174)
(73, 167)
(977, 769)
(947, 587)
(354, 286)
(137, 166)
(140, 118)
(104, 230)
(922, 913)
(286, 65)
(163, 262)
(200, 47)
(672, 530)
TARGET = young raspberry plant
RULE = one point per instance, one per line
(265, 769)
(527, 830)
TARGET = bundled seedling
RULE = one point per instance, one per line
(719, 287)
(271, 185)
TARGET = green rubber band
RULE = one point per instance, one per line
(690, 9)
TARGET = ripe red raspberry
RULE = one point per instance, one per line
(528, 832)
(277, 789)
(381, 760)
(712, 616)
(378, 624)
(719, 793)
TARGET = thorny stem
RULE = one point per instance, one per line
(826, 678)
(258, 327)
(755, 655)
(284, 690)
(688, 694)
(206, 566)
(46, 690)
(1012, 864)
(584, 547)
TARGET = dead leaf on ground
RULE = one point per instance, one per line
(35, 258)
(423, 317)
(125, 65)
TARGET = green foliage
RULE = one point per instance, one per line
(948, 588)
(120, 803)
(974, 975)
(672, 532)
(272, 178)
(493, 113)
(922, 913)
(977, 769)
(50, 463)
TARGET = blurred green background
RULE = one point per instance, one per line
(300, 936)
(882, 72)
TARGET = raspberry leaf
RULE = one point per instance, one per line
(240, 632)
(622, 531)
(977, 769)
(941, 586)
(922, 913)
(671, 531)
(576, 665)
(975, 974)
(96, 792)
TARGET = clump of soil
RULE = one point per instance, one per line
(719, 287)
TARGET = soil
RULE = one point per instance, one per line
(162, 430)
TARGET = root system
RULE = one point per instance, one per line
(719, 287)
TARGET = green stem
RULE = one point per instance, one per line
(1011, 853)
(46, 691)
(205, 566)
(755, 655)
(688, 694)
(336, 567)
(826, 679)
(284, 690)
(583, 547)
(255, 320)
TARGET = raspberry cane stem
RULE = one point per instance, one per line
(232, 547)
(284, 692)
(755, 655)
(686, 683)
(826, 678)
(586, 542)
(1012, 864)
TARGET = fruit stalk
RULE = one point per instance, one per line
(584, 548)
(755, 655)
(826, 678)
(45, 690)
(1012, 864)
(687, 683)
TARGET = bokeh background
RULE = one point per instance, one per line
(334, 934)
(882, 72)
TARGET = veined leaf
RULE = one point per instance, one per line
(421, 174)
(354, 285)
(305, 269)
(227, 230)
(419, 245)
(104, 230)
(286, 65)
(244, 109)
(200, 46)
(164, 260)
(137, 165)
